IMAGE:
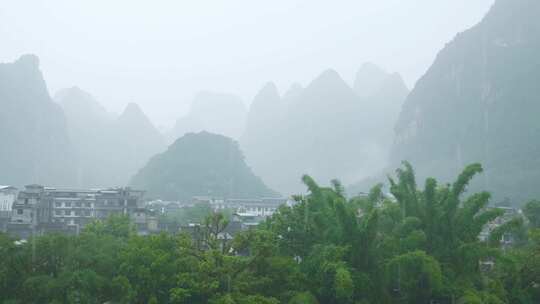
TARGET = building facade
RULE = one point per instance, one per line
(40, 209)
(262, 207)
(8, 195)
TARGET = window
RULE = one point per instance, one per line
(58, 204)
(68, 212)
(78, 212)
(26, 201)
(58, 212)
(19, 211)
(88, 205)
(87, 212)
(68, 204)
(78, 204)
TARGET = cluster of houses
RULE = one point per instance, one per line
(37, 209)
(246, 213)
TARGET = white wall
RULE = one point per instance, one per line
(6, 200)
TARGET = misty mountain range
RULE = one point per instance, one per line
(35, 142)
(73, 142)
(212, 112)
(110, 149)
(102, 149)
(478, 102)
(327, 129)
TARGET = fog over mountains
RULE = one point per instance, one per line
(73, 142)
(327, 130)
(479, 102)
(35, 142)
(109, 149)
(270, 152)
(213, 112)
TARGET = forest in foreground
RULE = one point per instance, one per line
(418, 245)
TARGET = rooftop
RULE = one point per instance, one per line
(5, 187)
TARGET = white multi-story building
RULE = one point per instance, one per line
(8, 195)
(259, 207)
(45, 209)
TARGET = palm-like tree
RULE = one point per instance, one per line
(451, 224)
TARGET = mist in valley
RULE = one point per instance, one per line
(247, 152)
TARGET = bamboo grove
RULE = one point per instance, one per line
(421, 244)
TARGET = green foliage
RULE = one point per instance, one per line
(418, 276)
(532, 212)
(510, 226)
(115, 225)
(187, 215)
(200, 164)
(303, 298)
(420, 247)
(344, 285)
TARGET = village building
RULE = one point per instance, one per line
(39, 209)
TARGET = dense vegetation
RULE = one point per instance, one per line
(193, 214)
(200, 164)
(420, 247)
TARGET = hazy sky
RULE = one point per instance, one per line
(159, 53)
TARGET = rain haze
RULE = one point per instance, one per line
(270, 152)
(159, 54)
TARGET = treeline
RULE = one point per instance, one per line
(421, 245)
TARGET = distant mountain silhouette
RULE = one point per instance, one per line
(109, 149)
(384, 106)
(200, 164)
(35, 144)
(263, 137)
(369, 79)
(479, 102)
(138, 141)
(218, 113)
(326, 130)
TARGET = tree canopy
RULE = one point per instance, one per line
(416, 244)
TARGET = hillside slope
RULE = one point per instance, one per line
(200, 164)
(479, 102)
(35, 144)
